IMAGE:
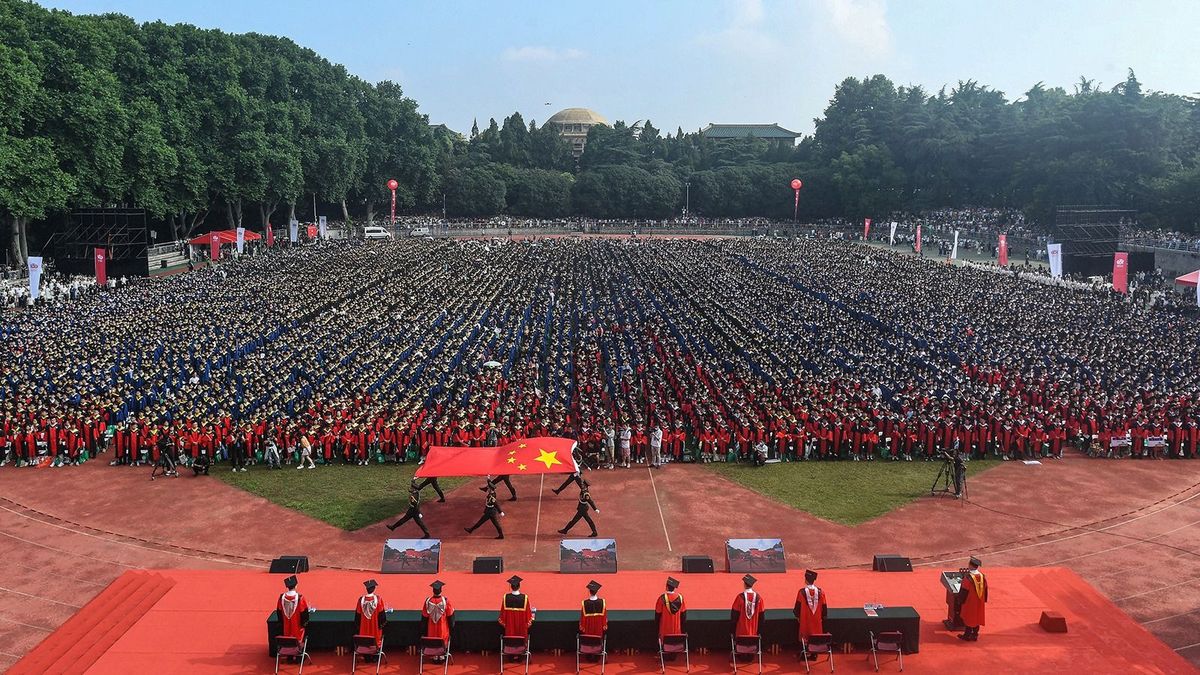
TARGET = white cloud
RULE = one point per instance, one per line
(746, 32)
(862, 23)
(537, 54)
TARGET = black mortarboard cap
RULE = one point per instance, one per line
(515, 580)
(749, 580)
(672, 583)
(593, 585)
(370, 584)
(290, 582)
(437, 586)
(975, 562)
(810, 576)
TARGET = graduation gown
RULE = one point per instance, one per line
(747, 610)
(670, 612)
(437, 612)
(593, 619)
(516, 615)
(810, 611)
(370, 617)
(972, 597)
(293, 614)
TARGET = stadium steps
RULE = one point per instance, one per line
(96, 627)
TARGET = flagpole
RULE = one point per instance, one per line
(537, 523)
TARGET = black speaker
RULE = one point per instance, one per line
(891, 562)
(697, 563)
(289, 564)
(488, 565)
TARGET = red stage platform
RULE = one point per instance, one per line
(196, 622)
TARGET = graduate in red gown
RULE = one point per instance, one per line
(747, 610)
(293, 610)
(811, 608)
(593, 619)
(369, 613)
(972, 598)
(516, 614)
(670, 611)
(437, 616)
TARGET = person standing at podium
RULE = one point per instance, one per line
(811, 608)
(972, 599)
(369, 613)
(747, 610)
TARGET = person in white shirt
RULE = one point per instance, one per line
(656, 437)
(626, 434)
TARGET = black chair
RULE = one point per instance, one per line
(591, 645)
(745, 645)
(673, 644)
(819, 643)
(292, 648)
(887, 641)
(433, 648)
(513, 645)
(365, 647)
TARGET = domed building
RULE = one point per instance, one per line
(573, 125)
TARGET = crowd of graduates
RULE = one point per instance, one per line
(642, 349)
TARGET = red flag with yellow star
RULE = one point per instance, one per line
(527, 456)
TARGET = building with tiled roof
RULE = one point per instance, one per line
(768, 132)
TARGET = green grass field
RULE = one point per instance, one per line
(844, 492)
(349, 497)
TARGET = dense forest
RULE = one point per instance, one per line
(204, 128)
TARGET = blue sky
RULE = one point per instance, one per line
(684, 64)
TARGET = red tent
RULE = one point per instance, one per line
(1189, 279)
(226, 237)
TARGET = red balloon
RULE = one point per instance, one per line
(392, 184)
(796, 184)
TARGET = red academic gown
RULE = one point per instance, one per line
(670, 611)
(810, 611)
(747, 609)
(593, 618)
(973, 596)
(437, 611)
(371, 617)
(293, 613)
(516, 614)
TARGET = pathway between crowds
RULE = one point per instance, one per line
(1132, 529)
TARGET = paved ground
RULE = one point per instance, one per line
(1130, 528)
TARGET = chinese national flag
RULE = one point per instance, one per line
(526, 456)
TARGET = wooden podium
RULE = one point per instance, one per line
(952, 581)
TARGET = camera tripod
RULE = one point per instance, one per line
(949, 481)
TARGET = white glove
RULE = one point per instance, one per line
(501, 514)
(597, 510)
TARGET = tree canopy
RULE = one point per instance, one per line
(201, 126)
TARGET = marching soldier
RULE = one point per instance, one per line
(507, 480)
(413, 513)
(972, 598)
(490, 509)
(581, 510)
(431, 482)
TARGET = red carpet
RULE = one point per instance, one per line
(214, 622)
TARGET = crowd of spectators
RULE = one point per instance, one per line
(724, 349)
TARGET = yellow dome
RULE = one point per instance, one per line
(576, 116)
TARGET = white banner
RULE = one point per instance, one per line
(1054, 255)
(35, 275)
(1198, 292)
(241, 239)
(954, 251)
(321, 226)
(892, 236)
(293, 230)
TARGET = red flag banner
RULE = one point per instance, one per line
(214, 246)
(1002, 247)
(270, 236)
(527, 456)
(866, 228)
(918, 238)
(312, 231)
(1121, 272)
(101, 258)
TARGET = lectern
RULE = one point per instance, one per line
(952, 582)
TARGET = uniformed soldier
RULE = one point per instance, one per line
(490, 510)
(581, 510)
(507, 480)
(413, 513)
(431, 482)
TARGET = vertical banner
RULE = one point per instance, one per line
(1121, 272)
(214, 246)
(101, 259)
(1054, 255)
(321, 226)
(270, 236)
(241, 240)
(1002, 249)
(866, 228)
(954, 249)
(293, 230)
(918, 242)
(35, 276)
(892, 235)
(1198, 292)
